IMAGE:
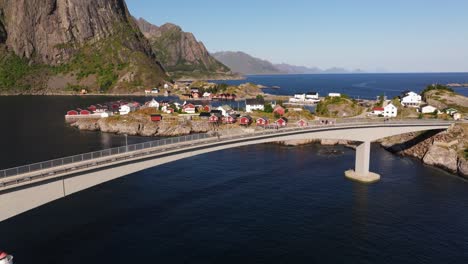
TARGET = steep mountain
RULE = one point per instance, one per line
(292, 69)
(51, 45)
(243, 63)
(180, 52)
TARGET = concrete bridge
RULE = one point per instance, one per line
(30, 186)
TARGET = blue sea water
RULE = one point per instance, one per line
(256, 204)
(365, 86)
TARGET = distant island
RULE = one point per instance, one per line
(244, 63)
(457, 85)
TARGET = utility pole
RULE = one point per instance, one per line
(126, 143)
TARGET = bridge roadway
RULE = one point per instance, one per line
(24, 191)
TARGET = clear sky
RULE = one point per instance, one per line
(373, 35)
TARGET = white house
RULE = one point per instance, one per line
(298, 98)
(226, 110)
(411, 99)
(457, 116)
(207, 95)
(312, 97)
(334, 95)
(378, 111)
(166, 86)
(189, 108)
(428, 109)
(153, 104)
(124, 109)
(390, 111)
(254, 105)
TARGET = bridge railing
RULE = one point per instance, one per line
(169, 141)
(97, 154)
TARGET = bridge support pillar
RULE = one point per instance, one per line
(361, 172)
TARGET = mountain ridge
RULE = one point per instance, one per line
(179, 51)
(244, 63)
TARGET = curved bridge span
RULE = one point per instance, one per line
(30, 186)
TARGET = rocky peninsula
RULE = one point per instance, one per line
(445, 150)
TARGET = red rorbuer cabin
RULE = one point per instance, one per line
(302, 123)
(229, 119)
(245, 121)
(156, 118)
(282, 122)
(279, 110)
(214, 119)
(262, 121)
(85, 112)
(72, 113)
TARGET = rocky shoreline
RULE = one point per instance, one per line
(444, 150)
(143, 127)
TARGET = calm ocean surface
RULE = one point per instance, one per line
(257, 204)
(365, 86)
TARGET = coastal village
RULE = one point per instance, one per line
(218, 106)
(218, 110)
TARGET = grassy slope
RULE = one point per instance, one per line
(335, 106)
(107, 61)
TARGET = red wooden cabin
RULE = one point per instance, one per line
(302, 123)
(245, 120)
(282, 122)
(156, 118)
(262, 121)
(279, 110)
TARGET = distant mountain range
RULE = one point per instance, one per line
(244, 63)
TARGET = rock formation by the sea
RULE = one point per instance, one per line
(143, 127)
(440, 149)
(180, 52)
(54, 45)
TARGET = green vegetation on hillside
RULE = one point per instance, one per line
(436, 87)
(16, 74)
(341, 106)
(96, 66)
(12, 70)
(111, 58)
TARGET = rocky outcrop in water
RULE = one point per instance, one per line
(440, 149)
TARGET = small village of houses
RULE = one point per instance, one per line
(225, 114)
(411, 99)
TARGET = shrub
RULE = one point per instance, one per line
(268, 108)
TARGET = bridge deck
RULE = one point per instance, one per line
(19, 179)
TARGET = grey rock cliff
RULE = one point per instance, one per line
(42, 28)
(83, 36)
(178, 50)
(442, 157)
(440, 149)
